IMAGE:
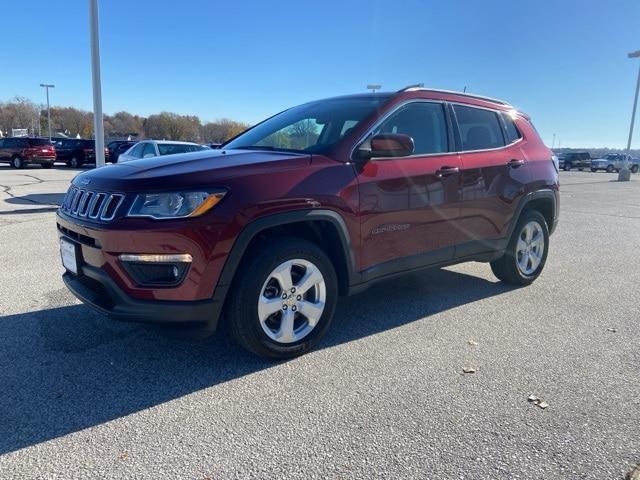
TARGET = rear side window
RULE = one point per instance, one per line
(510, 128)
(479, 128)
(173, 148)
(422, 121)
(39, 142)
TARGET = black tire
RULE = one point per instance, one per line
(594, 170)
(47, 165)
(74, 162)
(609, 168)
(634, 169)
(241, 312)
(567, 166)
(506, 267)
(17, 162)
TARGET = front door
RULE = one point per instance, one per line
(408, 204)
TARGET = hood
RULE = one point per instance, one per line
(188, 170)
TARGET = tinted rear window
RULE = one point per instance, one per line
(479, 128)
(38, 142)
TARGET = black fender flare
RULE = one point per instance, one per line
(251, 230)
(546, 194)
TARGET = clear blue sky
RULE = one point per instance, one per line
(564, 62)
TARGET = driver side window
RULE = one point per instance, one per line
(424, 122)
(149, 150)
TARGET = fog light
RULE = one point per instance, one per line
(156, 270)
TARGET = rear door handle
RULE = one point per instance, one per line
(446, 171)
(515, 163)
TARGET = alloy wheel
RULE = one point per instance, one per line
(292, 300)
(530, 248)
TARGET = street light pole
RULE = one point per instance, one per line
(624, 174)
(98, 125)
(47, 87)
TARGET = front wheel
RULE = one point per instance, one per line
(609, 168)
(567, 167)
(594, 170)
(283, 298)
(634, 169)
(526, 252)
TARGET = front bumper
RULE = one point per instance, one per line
(94, 287)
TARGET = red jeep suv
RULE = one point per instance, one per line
(318, 201)
(21, 151)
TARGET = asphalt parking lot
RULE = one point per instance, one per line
(384, 396)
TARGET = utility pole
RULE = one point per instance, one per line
(624, 175)
(553, 142)
(47, 87)
(98, 125)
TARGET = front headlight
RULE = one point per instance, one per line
(174, 204)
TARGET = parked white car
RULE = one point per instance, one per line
(154, 148)
(613, 162)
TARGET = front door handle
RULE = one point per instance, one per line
(515, 163)
(446, 171)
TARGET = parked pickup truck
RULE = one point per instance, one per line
(613, 162)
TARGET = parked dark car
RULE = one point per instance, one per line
(321, 200)
(77, 151)
(21, 151)
(579, 160)
(117, 147)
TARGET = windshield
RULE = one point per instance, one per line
(312, 127)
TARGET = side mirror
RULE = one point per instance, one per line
(388, 145)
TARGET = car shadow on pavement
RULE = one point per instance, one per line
(36, 199)
(66, 369)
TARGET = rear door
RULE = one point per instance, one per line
(62, 150)
(408, 204)
(494, 175)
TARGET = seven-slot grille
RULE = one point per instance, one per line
(83, 203)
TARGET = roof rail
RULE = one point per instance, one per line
(421, 87)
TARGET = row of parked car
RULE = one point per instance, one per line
(611, 162)
(74, 152)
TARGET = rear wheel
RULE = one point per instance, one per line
(18, 162)
(634, 169)
(594, 170)
(74, 162)
(526, 252)
(567, 166)
(283, 299)
(609, 168)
